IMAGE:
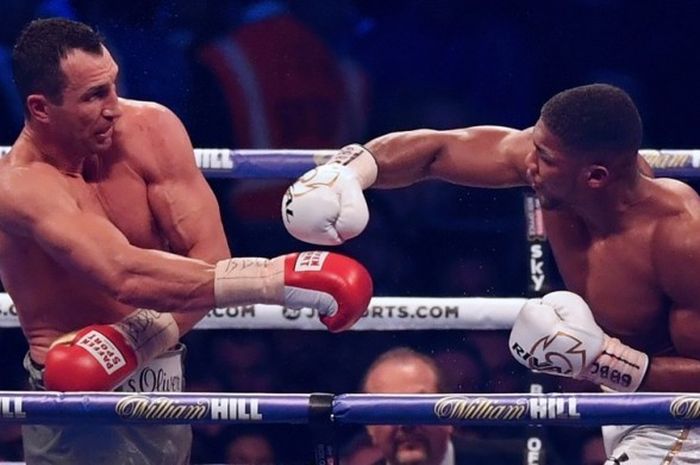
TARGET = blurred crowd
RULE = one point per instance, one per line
(324, 73)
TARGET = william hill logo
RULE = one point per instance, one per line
(513, 409)
(479, 408)
(138, 407)
(686, 407)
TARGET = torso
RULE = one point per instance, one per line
(615, 273)
(52, 300)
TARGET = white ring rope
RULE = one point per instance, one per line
(383, 313)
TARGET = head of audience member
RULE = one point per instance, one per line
(250, 449)
(405, 371)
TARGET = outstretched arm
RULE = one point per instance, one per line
(481, 156)
(326, 205)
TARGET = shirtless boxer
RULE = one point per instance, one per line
(103, 214)
(627, 246)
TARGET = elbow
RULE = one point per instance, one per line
(120, 283)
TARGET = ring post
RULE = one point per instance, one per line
(322, 428)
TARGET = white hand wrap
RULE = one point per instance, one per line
(150, 333)
(558, 335)
(243, 281)
(326, 205)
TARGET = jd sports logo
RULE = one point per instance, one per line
(291, 313)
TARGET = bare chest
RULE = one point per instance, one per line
(121, 196)
(616, 277)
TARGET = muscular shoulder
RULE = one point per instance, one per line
(150, 115)
(28, 192)
(676, 242)
(154, 137)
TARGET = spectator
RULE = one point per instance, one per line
(404, 371)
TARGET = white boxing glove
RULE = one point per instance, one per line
(326, 205)
(558, 335)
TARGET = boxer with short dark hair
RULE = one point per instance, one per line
(627, 245)
(106, 225)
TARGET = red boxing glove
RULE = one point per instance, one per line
(97, 358)
(337, 286)
(100, 357)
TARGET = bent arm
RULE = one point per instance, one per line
(182, 202)
(481, 156)
(677, 259)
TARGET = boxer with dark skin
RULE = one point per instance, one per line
(110, 237)
(627, 244)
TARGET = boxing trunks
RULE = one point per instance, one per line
(86, 444)
(651, 445)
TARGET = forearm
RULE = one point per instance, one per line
(164, 281)
(404, 158)
(667, 374)
(211, 251)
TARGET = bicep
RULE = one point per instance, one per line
(677, 261)
(184, 205)
(684, 327)
(484, 156)
(188, 215)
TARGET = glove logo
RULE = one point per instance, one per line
(559, 354)
(288, 198)
(310, 181)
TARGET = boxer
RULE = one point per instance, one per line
(111, 246)
(627, 245)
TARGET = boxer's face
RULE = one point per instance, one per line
(407, 445)
(86, 118)
(554, 174)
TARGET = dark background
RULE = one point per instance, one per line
(385, 66)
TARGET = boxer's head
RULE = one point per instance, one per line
(585, 138)
(404, 371)
(67, 79)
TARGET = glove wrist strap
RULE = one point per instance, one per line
(243, 281)
(619, 367)
(150, 333)
(360, 161)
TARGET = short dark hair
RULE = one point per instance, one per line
(37, 54)
(402, 354)
(597, 118)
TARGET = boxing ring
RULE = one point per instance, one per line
(325, 412)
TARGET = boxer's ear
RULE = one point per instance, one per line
(597, 176)
(37, 106)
